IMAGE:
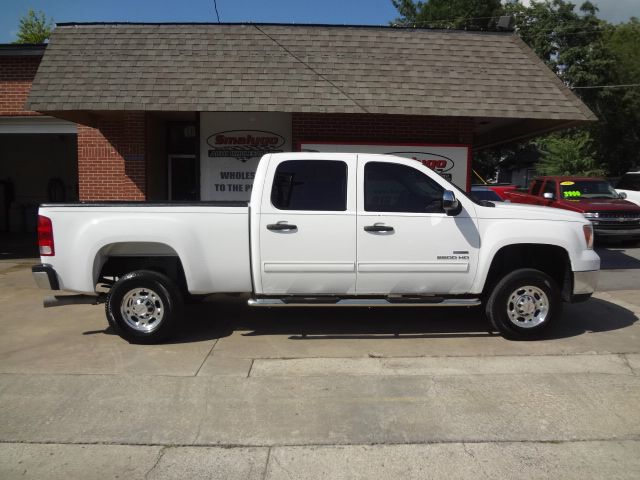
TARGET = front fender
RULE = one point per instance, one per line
(497, 234)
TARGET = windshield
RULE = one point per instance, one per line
(587, 189)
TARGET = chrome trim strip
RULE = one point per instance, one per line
(298, 267)
(414, 267)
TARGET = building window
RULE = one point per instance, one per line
(391, 187)
(310, 185)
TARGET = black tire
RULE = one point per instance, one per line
(510, 294)
(134, 296)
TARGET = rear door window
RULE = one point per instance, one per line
(310, 185)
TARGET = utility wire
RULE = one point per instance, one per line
(215, 5)
(628, 85)
(319, 74)
(506, 14)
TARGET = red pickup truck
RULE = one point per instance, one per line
(611, 216)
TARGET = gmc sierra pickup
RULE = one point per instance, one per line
(321, 229)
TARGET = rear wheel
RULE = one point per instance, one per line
(523, 304)
(144, 306)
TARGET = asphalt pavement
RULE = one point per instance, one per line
(321, 394)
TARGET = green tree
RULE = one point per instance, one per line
(569, 154)
(459, 14)
(34, 28)
(587, 53)
(617, 134)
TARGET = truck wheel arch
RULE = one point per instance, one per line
(118, 258)
(552, 260)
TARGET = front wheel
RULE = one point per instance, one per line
(144, 306)
(523, 304)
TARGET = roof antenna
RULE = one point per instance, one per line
(215, 5)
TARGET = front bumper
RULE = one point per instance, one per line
(45, 276)
(584, 284)
(621, 232)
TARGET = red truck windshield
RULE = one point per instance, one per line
(575, 190)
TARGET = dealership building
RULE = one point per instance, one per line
(184, 111)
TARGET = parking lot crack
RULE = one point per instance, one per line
(209, 354)
(266, 464)
(467, 451)
(625, 359)
(158, 458)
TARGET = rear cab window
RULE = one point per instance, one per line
(535, 189)
(550, 187)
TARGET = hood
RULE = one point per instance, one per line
(528, 212)
(600, 205)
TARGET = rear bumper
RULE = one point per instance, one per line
(45, 276)
(584, 284)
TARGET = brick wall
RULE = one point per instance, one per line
(381, 128)
(111, 158)
(16, 75)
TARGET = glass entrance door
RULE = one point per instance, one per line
(183, 177)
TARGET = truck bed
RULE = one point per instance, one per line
(207, 237)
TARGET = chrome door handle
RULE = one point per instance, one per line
(378, 228)
(278, 227)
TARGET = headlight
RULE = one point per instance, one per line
(591, 215)
(588, 235)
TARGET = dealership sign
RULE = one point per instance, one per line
(244, 144)
(231, 147)
(450, 161)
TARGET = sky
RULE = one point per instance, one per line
(359, 12)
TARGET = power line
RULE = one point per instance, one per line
(628, 85)
(215, 5)
(319, 74)
(408, 23)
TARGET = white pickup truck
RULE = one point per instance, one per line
(629, 185)
(321, 229)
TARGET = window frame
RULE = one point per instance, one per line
(345, 205)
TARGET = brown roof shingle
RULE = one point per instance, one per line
(291, 68)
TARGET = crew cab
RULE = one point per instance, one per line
(612, 216)
(321, 229)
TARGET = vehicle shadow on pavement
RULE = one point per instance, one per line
(307, 324)
(593, 316)
(617, 258)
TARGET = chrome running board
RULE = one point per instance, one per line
(363, 302)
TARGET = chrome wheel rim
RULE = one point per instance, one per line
(527, 307)
(142, 309)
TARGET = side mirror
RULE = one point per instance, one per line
(548, 196)
(450, 204)
(622, 195)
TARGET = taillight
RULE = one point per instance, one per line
(45, 236)
(588, 235)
